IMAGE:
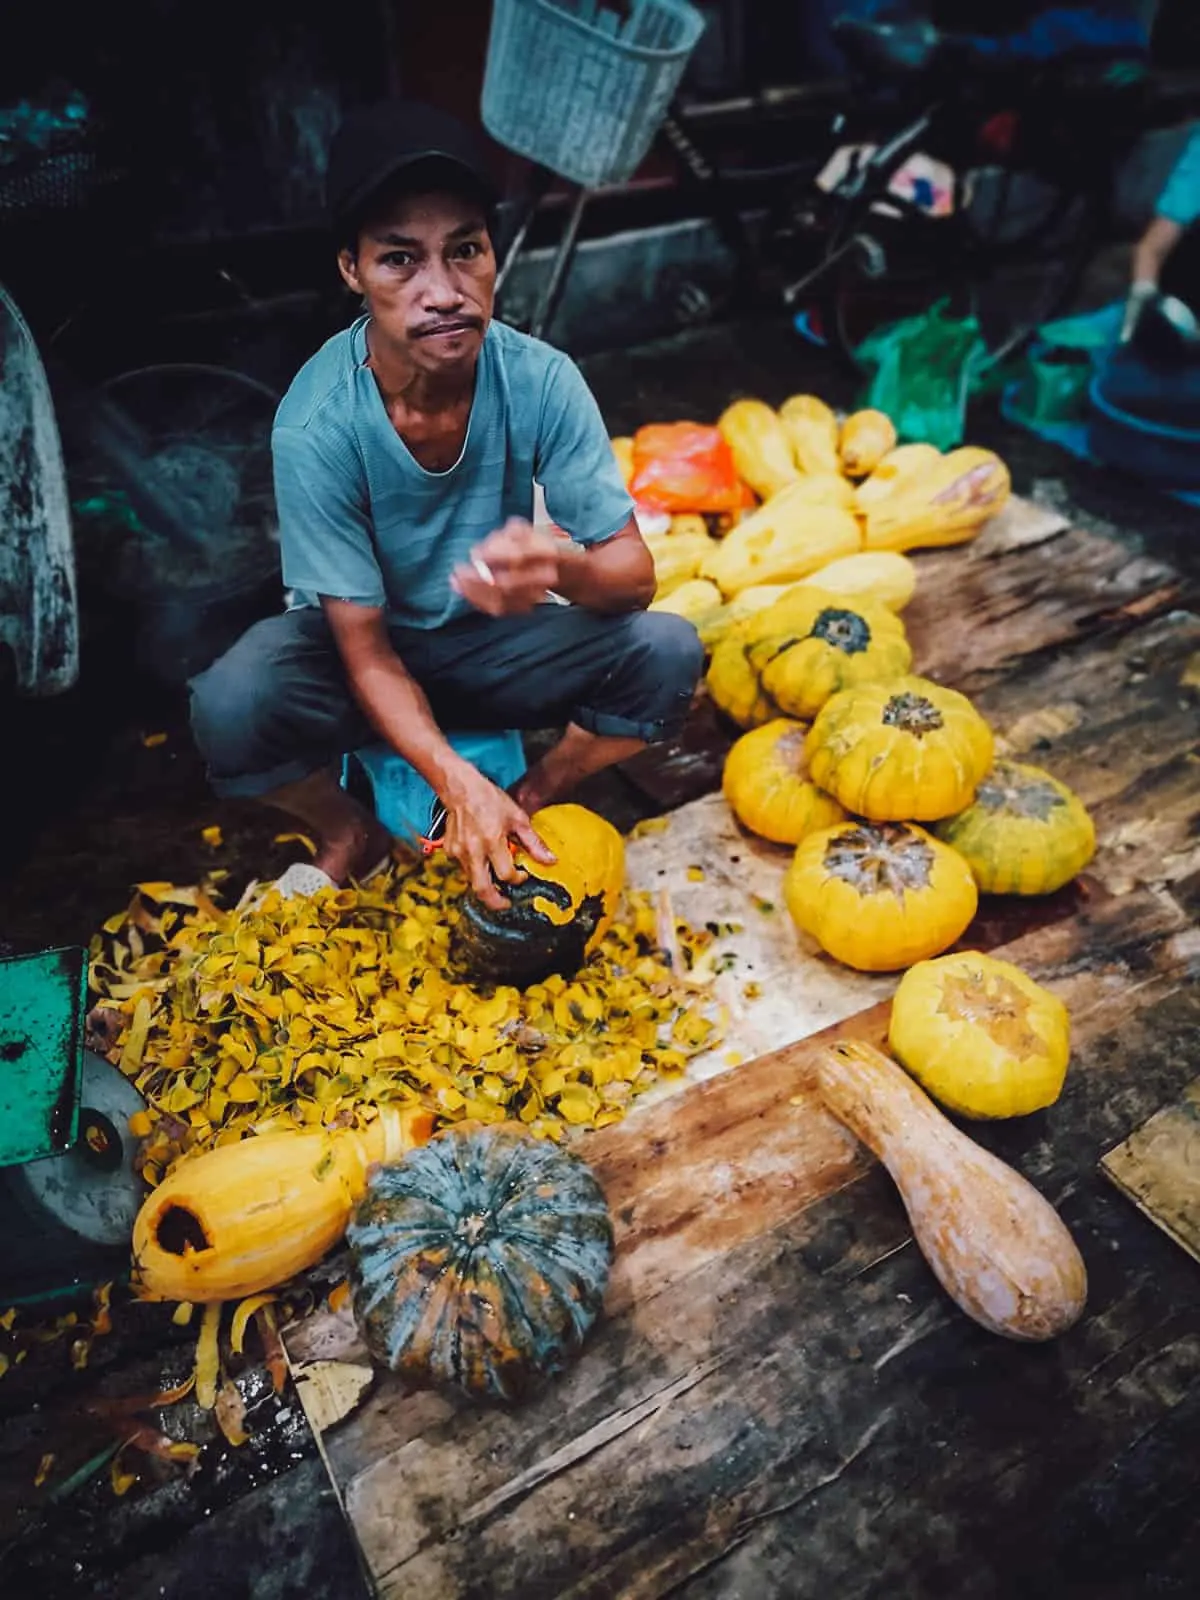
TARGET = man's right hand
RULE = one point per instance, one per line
(481, 823)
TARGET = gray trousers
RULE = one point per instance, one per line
(277, 706)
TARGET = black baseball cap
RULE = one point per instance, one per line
(376, 143)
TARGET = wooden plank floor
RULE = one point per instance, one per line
(780, 1400)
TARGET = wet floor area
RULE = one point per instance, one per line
(106, 790)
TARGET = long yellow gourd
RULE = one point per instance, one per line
(998, 1248)
(784, 540)
(244, 1217)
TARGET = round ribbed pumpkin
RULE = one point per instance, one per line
(557, 916)
(1024, 833)
(879, 897)
(733, 683)
(812, 643)
(479, 1262)
(980, 1035)
(767, 785)
(900, 751)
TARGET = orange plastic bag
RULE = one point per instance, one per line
(683, 466)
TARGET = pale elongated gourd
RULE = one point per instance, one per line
(245, 1217)
(999, 1249)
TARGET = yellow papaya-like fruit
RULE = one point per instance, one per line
(812, 429)
(866, 437)
(946, 506)
(784, 540)
(622, 448)
(761, 451)
(881, 575)
(899, 466)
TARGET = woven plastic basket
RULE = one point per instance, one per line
(581, 88)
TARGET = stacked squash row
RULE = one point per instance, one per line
(887, 783)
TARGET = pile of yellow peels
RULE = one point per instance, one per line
(313, 1011)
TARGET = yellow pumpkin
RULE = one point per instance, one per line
(768, 788)
(905, 749)
(1024, 833)
(810, 644)
(784, 540)
(557, 916)
(947, 505)
(879, 896)
(733, 683)
(901, 465)
(812, 429)
(762, 453)
(881, 575)
(866, 437)
(980, 1035)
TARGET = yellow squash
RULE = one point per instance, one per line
(903, 464)
(733, 683)
(947, 505)
(768, 788)
(998, 1248)
(810, 644)
(884, 576)
(244, 1217)
(878, 897)
(1024, 833)
(980, 1035)
(761, 451)
(866, 438)
(907, 749)
(783, 541)
(812, 429)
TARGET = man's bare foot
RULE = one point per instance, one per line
(354, 852)
(576, 756)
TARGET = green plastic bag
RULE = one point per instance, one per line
(925, 370)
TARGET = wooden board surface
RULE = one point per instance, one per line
(780, 1400)
(1158, 1167)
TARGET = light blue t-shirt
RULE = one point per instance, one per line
(1180, 199)
(361, 520)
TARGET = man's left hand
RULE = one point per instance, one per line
(511, 571)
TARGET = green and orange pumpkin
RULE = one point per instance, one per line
(557, 916)
(479, 1262)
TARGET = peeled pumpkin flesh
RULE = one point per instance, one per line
(866, 437)
(784, 540)
(762, 453)
(812, 429)
(677, 557)
(884, 576)
(980, 1035)
(901, 465)
(998, 1247)
(946, 506)
(768, 787)
(622, 449)
(244, 1217)
(696, 600)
